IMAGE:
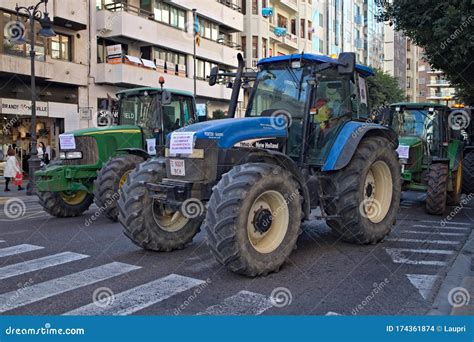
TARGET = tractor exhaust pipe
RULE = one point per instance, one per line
(236, 86)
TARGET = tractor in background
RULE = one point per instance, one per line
(305, 142)
(465, 117)
(430, 152)
(95, 162)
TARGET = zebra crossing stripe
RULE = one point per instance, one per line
(425, 233)
(458, 223)
(140, 297)
(398, 258)
(437, 228)
(50, 288)
(444, 242)
(39, 264)
(18, 249)
(243, 303)
(2, 240)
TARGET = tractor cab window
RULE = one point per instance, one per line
(138, 110)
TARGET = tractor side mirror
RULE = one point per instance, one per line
(213, 76)
(346, 63)
(165, 97)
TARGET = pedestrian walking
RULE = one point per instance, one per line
(12, 170)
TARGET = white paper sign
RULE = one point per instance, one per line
(151, 146)
(403, 151)
(362, 90)
(182, 142)
(67, 142)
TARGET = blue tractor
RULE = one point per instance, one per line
(306, 141)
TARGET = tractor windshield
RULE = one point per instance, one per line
(414, 122)
(142, 110)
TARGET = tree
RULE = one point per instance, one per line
(445, 30)
(383, 89)
(218, 114)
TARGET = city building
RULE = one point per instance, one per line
(395, 55)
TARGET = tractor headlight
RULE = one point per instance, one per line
(71, 155)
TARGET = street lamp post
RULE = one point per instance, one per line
(34, 13)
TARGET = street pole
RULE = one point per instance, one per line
(194, 53)
(33, 162)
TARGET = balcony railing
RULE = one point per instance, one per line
(229, 43)
(231, 5)
(293, 4)
(123, 6)
(439, 82)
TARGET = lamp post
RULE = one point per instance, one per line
(33, 13)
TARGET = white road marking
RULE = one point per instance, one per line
(243, 303)
(425, 233)
(398, 258)
(18, 249)
(332, 313)
(140, 297)
(423, 282)
(444, 242)
(2, 240)
(437, 228)
(50, 288)
(39, 264)
(460, 223)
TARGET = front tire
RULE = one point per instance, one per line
(253, 218)
(110, 179)
(65, 204)
(362, 199)
(146, 222)
(436, 195)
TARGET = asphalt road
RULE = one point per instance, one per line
(52, 266)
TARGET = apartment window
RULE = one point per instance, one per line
(264, 47)
(208, 29)
(100, 4)
(303, 28)
(102, 49)
(244, 46)
(204, 68)
(61, 47)
(310, 30)
(170, 15)
(171, 58)
(321, 46)
(254, 6)
(321, 20)
(254, 47)
(293, 26)
(282, 21)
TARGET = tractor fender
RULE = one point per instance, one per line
(349, 138)
(135, 151)
(282, 160)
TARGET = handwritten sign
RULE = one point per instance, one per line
(182, 142)
(151, 146)
(403, 151)
(67, 142)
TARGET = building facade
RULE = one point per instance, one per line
(395, 55)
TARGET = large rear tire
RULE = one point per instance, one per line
(468, 173)
(110, 179)
(362, 199)
(436, 195)
(253, 218)
(148, 223)
(65, 204)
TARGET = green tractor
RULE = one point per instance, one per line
(465, 118)
(94, 162)
(305, 142)
(430, 153)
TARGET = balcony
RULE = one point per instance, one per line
(440, 95)
(291, 4)
(231, 5)
(51, 69)
(135, 24)
(290, 40)
(434, 71)
(439, 83)
(126, 75)
(73, 15)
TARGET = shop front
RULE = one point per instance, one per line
(15, 127)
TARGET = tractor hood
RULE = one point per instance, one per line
(229, 132)
(104, 130)
(409, 141)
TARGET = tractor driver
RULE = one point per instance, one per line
(327, 106)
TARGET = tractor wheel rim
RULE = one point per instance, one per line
(377, 192)
(169, 221)
(123, 179)
(73, 197)
(267, 221)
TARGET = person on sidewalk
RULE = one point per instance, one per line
(12, 167)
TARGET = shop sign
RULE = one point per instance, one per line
(21, 107)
